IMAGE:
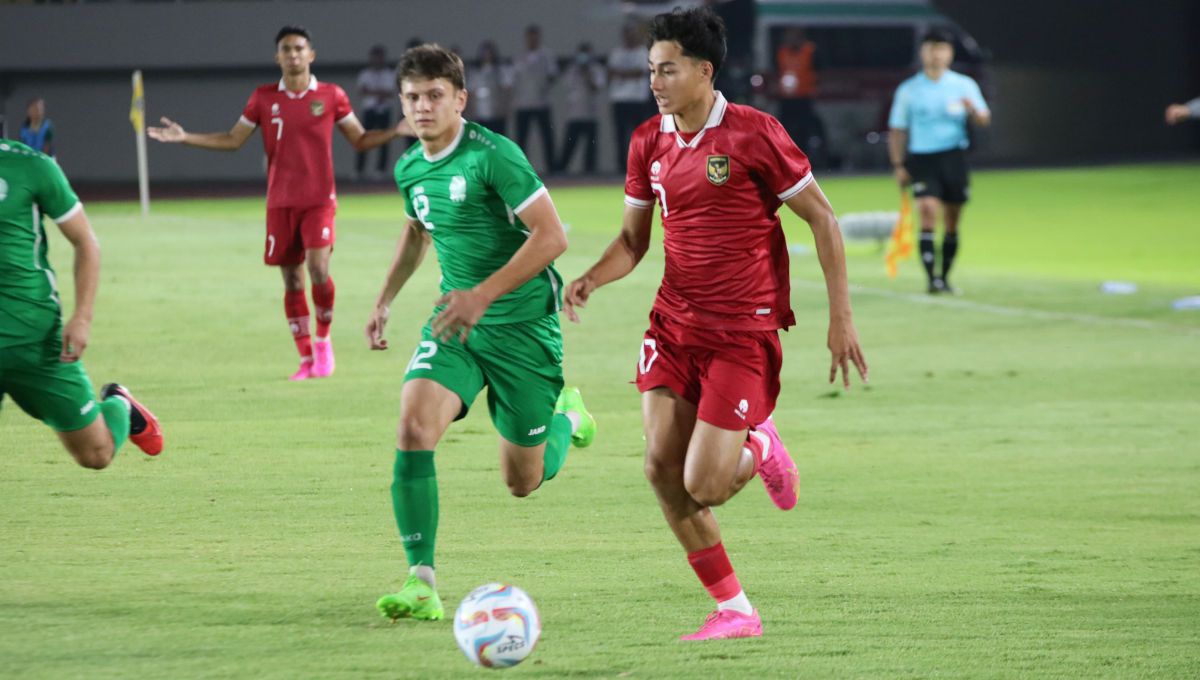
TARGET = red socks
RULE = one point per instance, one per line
(715, 572)
(295, 306)
(322, 294)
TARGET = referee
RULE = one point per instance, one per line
(927, 145)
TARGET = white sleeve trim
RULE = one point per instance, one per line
(75, 210)
(345, 118)
(796, 188)
(532, 197)
(242, 120)
(637, 202)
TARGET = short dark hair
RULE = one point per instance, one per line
(938, 34)
(292, 30)
(699, 31)
(430, 61)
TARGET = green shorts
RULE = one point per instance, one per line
(521, 364)
(55, 393)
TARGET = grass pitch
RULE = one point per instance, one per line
(1014, 495)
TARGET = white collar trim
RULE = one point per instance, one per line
(312, 87)
(715, 116)
(462, 130)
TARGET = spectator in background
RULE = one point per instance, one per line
(628, 88)
(796, 86)
(377, 90)
(583, 79)
(37, 132)
(1177, 113)
(490, 84)
(534, 74)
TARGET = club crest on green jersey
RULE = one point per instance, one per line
(458, 188)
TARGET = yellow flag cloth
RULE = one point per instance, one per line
(900, 246)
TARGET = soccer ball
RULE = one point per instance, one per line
(497, 625)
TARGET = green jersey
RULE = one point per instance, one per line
(31, 184)
(467, 197)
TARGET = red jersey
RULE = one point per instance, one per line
(297, 132)
(720, 192)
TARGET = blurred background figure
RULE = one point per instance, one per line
(584, 80)
(377, 92)
(628, 88)
(796, 86)
(929, 133)
(489, 83)
(1177, 113)
(534, 73)
(37, 132)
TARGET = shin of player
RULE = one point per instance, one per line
(496, 323)
(710, 361)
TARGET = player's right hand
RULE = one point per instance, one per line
(170, 132)
(902, 176)
(375, 326)
(576, 295)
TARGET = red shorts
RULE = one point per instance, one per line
(291, 231)
(731, 376)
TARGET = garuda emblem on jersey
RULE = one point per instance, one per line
(317, 107)
(717, 169)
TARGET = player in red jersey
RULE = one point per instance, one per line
(297, 116)
(710, 362)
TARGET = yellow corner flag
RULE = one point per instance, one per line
(900, 246)
(137, 108)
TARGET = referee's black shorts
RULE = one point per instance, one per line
(941, 175)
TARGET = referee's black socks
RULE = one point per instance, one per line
(927, 258)
(949, 250)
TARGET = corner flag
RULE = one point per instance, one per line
(900, 246)
(137, 116)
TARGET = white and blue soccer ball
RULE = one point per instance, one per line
(497, 625)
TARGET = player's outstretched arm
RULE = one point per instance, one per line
(547, 240)
(173, 133)
(78, 231)
(620, 258)
(365, 140)
(812, 207)
(410, 250)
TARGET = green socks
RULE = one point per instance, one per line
(556, 446)
(115, 411)
(415, 504)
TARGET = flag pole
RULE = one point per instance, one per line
(137, 116)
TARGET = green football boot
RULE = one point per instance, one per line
(571, 400)
(416, 600)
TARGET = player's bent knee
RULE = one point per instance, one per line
(662, 474)
(705, 493)
(94, 457)
(414, 435)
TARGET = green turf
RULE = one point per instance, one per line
(1015, 494)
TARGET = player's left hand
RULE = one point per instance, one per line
(75, 340)
(970, 107)
(463, 309)
(843, 346)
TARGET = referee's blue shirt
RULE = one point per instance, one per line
(933, 112)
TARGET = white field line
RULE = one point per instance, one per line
(1002, 310)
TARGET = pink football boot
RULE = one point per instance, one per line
(778, 472)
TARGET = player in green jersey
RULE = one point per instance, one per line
(39, 355)
(473, 194)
